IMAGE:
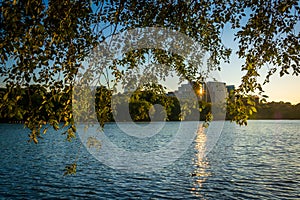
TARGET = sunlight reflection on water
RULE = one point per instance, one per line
(200, 162)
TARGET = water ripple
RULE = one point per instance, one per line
(260, 161)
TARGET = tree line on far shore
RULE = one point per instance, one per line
(277, 110)
(140, 106)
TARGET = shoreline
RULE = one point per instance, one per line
(266, 119)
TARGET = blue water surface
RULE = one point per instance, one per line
(259, 161)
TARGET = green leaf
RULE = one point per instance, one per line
(253, 109)
(5, 97)
(70, 169)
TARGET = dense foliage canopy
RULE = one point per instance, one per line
(46, 43)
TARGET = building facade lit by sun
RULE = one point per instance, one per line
(203, 91)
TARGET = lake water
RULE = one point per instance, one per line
(260, 161)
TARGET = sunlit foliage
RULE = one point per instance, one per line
(44, 43)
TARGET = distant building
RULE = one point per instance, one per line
(185, 91)
(215, 91)
(190, 90)
(208, 92)
(230, 88)
(170, 94)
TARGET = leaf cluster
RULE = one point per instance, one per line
(44, 47)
